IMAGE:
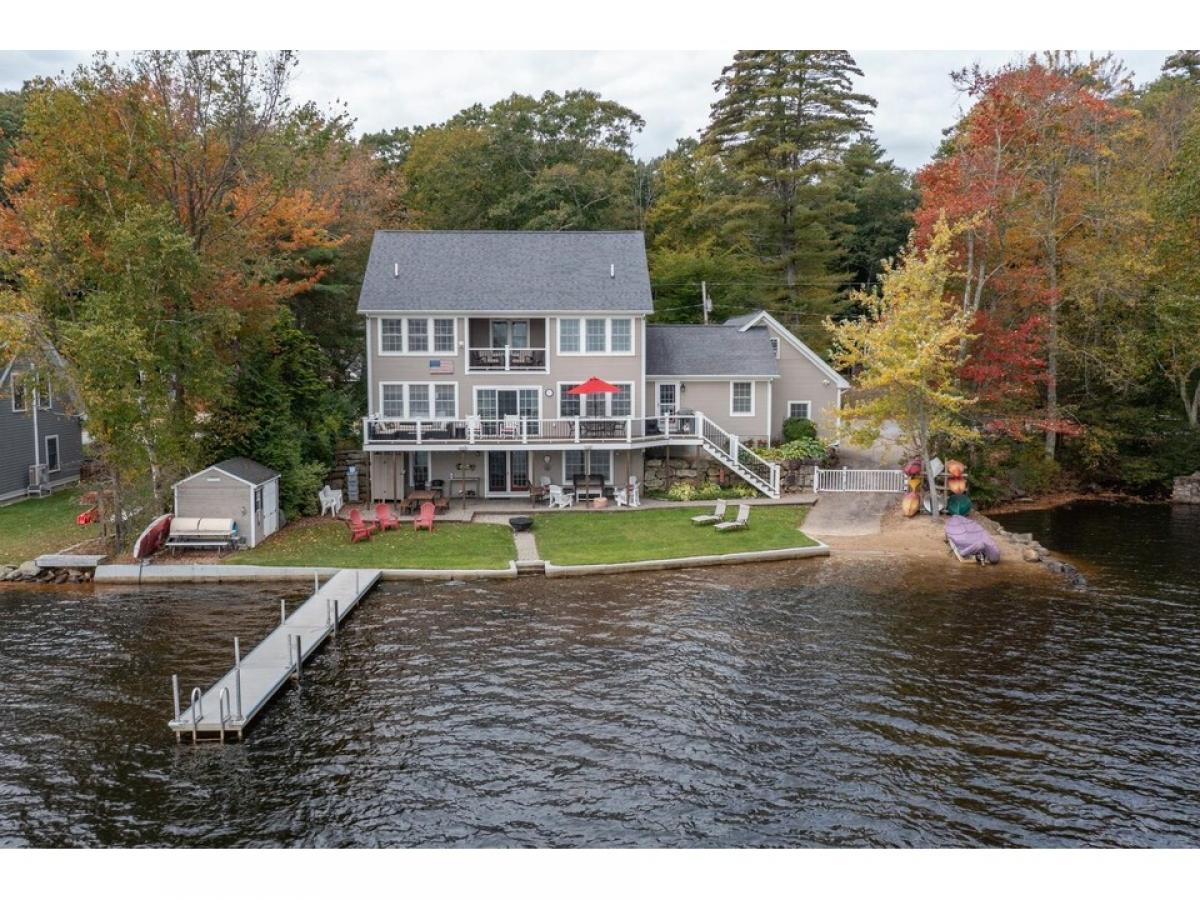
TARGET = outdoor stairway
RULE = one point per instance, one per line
(726, 449)
(242, 693)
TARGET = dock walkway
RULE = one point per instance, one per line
(241, 694)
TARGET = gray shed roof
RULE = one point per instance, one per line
(739, 321)
(519, 271)
(246, 469)
(708, 350)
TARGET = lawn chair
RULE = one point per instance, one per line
(718, 515)
(635, 491)
(424, 518)
(474, 427)
(742, 520)
(360, 530)
(331, 500)
(510, 427)
(560, 499)
(384, 517)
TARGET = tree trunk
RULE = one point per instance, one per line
(1052, 352)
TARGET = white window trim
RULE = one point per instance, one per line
(411, 465)
(433, 416)
(509, 323)
(658, 397)
(583, 351)
(561, 391)
(807, 408)
(487, 472)
(13, 381)
(507, 387)
(775, 342)
(567, 483)
(404, 337)
(742, 415)
(57, 453)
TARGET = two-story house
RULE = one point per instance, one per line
(41, 440)
(475, 341)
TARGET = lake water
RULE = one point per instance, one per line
(817, 703)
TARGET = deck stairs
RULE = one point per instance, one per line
(726, 449)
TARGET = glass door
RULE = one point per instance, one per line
(507, 471)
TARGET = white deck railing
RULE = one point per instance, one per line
(864, 481)
(519, 430)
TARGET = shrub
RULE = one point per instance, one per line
(682, 490)
(707, 491)
(804, 448)
(798, 429)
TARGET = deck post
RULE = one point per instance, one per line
(335, 616)
(237, 689)
(298, 655)
(175, 692)
(282, 611)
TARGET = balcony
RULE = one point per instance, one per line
(511, 430)
(506, 359)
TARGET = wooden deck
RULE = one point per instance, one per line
(231, 704)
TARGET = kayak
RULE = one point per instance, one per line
(152, 539)
(969, 540)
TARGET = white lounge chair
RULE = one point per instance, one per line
(742, 520)
(560, 499)
(331, 501)
(510, 427)
(717, 515)
(474, 427)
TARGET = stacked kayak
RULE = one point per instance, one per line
(969, 540)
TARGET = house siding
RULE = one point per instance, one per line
(712, 399)
(213, 494)
(17, 437)
(798, 380)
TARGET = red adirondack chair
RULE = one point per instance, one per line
(360, 530)
(424, 519)
(384, 517)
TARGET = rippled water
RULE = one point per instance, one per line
(832, 702)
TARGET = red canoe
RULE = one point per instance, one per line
(151, 540)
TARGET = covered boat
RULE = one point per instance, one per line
(969, 540)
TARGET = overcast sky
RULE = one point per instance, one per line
(671, 89)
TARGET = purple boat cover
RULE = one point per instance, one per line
(970, 539)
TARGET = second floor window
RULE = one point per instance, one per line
(616, 405)
(420, 400)
(18, 392)
(417, 336)
(741, 401)
(595, 336)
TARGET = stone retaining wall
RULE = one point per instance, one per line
(343, 460)
(795, 475)
(1187, 489)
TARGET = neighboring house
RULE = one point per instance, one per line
(474, 340)
(41, 440)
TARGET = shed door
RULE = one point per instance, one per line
(270, 517)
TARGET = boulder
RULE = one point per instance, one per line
(1022, 537)
(29, 569)
(1031, 555)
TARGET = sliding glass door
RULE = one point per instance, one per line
(507, 472)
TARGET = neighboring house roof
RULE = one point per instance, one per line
(761, 318)
(242, 469)
(514, 271)
(708, 350)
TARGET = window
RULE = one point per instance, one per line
(443, 336)
(45, 395)
(668, 401)
(622, 335)
(599, 406)
(445, 397)
(741, 398)
(52, 462)
(258, 499)
(418, 335)
(420, 400)
(568, 404)
(391, 335)
(599, 336)
(621, 403)
(774, 346)
(799, 409)
(574, 464)
(18, 392)
(418, 469)
(568, 335)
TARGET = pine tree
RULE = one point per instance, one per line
(781, 124)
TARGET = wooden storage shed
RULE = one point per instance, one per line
(238, 489)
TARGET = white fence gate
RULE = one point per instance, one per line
(863, 481)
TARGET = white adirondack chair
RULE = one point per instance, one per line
(474, 427)
(560, 499)
(331, 501)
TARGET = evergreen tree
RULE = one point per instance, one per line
(780, 126)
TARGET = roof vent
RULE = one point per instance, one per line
(612, 270)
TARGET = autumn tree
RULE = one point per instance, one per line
(904, 352)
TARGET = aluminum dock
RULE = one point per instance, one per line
(241, 694)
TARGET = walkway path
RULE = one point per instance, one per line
(848, 514)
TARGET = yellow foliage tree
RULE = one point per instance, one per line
(905, 353)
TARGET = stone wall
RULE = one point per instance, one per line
(344, 459)
(1187, 489)
(795, 476)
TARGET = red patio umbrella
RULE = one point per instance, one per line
(593, 385)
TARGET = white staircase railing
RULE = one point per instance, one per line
(738, 458)
(861, 481)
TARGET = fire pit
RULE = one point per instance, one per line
(521, 523)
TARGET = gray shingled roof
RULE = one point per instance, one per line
(739, 321)
(708, 350)
(246, 469)
(519, 271)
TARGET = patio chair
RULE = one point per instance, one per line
(510, 427)
(359, 529)
(560, 499)
(384, 517)
(742, 520)
(635, 491)
(718, 515)
(424, 518)
(331, 500)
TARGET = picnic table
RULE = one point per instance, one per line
(412, 502)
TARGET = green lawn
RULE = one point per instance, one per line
(584, 538)
(36, 526)
(450, 546)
